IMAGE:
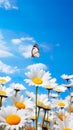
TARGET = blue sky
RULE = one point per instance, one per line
(49, 23)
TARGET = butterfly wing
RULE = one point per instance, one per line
(35, 51)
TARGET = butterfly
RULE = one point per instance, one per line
(35, 51)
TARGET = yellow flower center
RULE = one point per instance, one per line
(40, 103)
(30, 128)
(2, 80)
(61, 104)
(71, 109)
(2, 92)
(33, 117)
(47, 107)
(67, 129)
(62, 117)
(37, 80)
(58, 90)
(49, 87)
(47, 119)
(13, 119)
(20, 105)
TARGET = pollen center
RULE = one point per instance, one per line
(47, 107)
(58, 90)
(67, 129)
(2, 92)
(20, 105)
(33, 117)
(37, 80)
(2, 80)
(40, 103)
(71, 109)
(30, 128)
(13, 119)
(47, 119)
(61, 117)
(49, 87)
(61, 104)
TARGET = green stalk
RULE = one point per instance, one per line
(0, 102)
(36, 108)
(43, 118)
(38, 113)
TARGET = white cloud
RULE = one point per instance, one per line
(38, 65)
(26, 50)
(23, 39)
(1, 36)
(7, 69)
(8, 4)
(28, 39)
(16, 41)
(4, 50)
(4, 53)
(25, 45)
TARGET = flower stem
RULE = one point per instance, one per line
(36, 108)
(0, 101)
(43, 118)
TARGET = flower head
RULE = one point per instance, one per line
(12, 118)
(37, 77)
(4, 91)
(66, 77)
(4, 80)
(22, 103)
(66, 123)
(17, 86)
(60, 88)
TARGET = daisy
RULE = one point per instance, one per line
(42, 100)
(37, 77)
(69, 85)
(11, 118)
(61, 114)
(71, 108)
(60, 103)
(66, 77)
(33, 115)
(51, 84)
(60, 88)
(4, 80)
(53, 95)
(17, 86)
(4, 91)
(66, 124)
(30, 94)
(22, 103)
(48, 106)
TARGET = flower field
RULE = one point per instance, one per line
(34, 110)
